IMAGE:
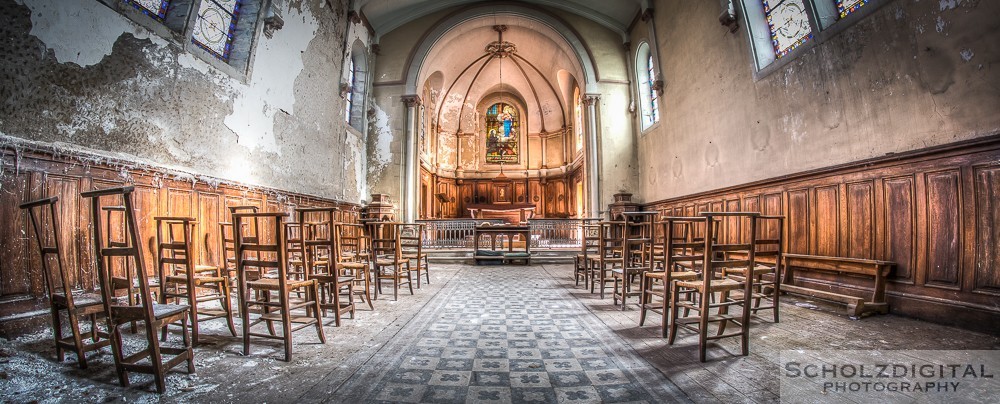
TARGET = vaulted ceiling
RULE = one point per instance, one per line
(387, 15)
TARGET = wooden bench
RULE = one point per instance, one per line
(508, 232)
(856, 306)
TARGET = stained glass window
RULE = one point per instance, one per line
(215, 25)
(157, 9)
(846, 7)
(654, 114)
(502, 128)
(789, 24)
(578, 121)
(350, 91)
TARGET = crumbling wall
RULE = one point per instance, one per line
(909, 76)
(79, 75)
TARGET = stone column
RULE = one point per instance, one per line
(410, 139)
(592, 162)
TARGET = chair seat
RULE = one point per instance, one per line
(718, 285)
(167, 310)
(757, 270)
(352, 265)
(327, 278)
(272, 284)
(79, 299)
(198, 280)
(386, 262)
(198, 269)
(676, 275)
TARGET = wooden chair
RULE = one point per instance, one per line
(610, 255)
(583, 263)
(149, 359)
(265, 255)
(181, 278)
(389, 264)
(768, 269)
(354, 258)
(680, 255)
(636, 253)
(717, 257)
(318, 250)
(227, 239)
(62, 297)
(411, 240)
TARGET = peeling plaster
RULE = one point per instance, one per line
(77, 32)
(278, 63)
(381, 154)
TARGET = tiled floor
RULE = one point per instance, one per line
(508, 334)
(484, 334)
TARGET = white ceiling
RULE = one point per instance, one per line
(387, 15)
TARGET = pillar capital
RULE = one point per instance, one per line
(410, 100)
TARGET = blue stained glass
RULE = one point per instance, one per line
(789, 24)
(501, 134)
(156, 9)
(846, 7)
(215, 27)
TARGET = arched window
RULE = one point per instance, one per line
(502, 129)
(350, 92)
(577, 119)
(654, 106)
(356, 79)
(645, 75)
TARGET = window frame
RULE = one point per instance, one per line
(644, 86)
(820, 34)
(182, 36)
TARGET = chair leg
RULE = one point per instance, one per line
(319, 321)
(286, 322)
(192, 295)
(675, 311)
(155, 357)
(228, 305)
(74, 323)
(427, 270)
(335, 291)
(644, 298)
(703, 313)
(57, 333)
(665, 309)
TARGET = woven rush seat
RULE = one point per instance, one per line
(271, 283)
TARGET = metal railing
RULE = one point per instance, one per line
(459, 233)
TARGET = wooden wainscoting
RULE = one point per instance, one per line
(28, 175)
(935, 212)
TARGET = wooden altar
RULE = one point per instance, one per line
(512, 213)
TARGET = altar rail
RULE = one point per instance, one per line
(545, 233)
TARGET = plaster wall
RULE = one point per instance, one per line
(909, 76)
(79, 75)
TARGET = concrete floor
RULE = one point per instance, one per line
(358, 359)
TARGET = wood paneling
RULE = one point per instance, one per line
(798, 221)
(28, 175)
(943, 221)
(987, 191)
(826, 222)
(15, 272)
(934, 212)
(900, 226)
(860, 220)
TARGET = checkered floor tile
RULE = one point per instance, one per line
(507, 334)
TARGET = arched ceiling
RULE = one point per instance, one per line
(387, 15)
(458, 73)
